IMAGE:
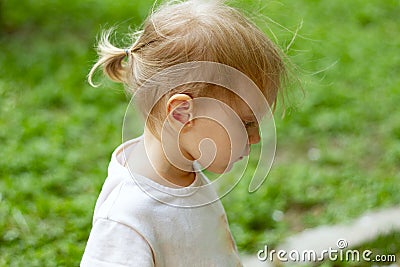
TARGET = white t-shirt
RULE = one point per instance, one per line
(138, 222)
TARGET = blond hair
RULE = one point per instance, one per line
(193, 30)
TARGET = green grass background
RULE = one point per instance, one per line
(338, 151)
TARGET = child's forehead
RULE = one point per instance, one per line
(247, 96)
(247, 110)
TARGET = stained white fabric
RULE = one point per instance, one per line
(138, 222)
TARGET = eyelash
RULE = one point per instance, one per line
(249, 124)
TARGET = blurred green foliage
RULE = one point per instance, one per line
(338, 151)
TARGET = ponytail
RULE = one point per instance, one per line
(111, 59)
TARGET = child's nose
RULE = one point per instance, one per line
(254, 136)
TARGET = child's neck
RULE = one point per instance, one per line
(151, 162)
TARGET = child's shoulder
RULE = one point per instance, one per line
(121, 195)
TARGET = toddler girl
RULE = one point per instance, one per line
(202, 76)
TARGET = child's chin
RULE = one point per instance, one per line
(222, 169)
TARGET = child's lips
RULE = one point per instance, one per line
(247, 152)
(242, 157)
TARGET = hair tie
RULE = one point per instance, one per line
(127, 52)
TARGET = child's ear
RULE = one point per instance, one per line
(179, 110)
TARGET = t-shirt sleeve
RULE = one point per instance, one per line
(113, 244)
